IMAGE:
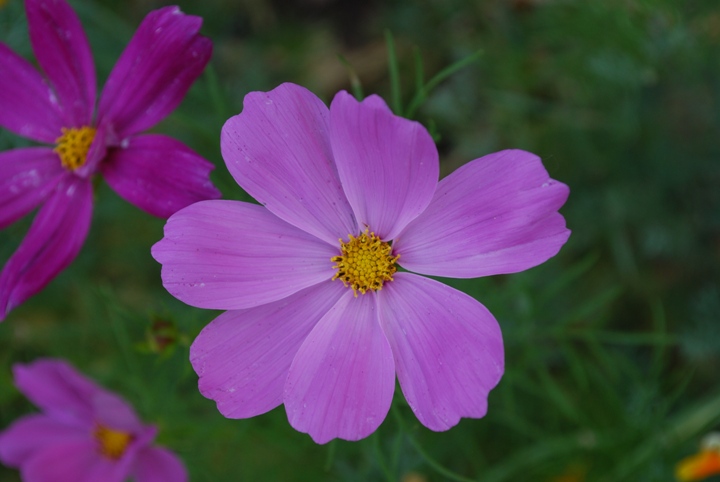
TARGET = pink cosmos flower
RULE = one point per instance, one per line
(154, 172)
(85, 433)
(319, 319)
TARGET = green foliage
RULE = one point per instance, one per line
(612, 347)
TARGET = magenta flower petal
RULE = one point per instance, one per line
(73, 461)
(447, 346)
(114, 412)
(158, 174)
(278, 150)
(27, 105)
(33, 433)
(58, 389)
(494, 215)
(157, 68)
(243, 356)
(53, 241)
(231, 255)
(342, 379)
(388, 165)
(27, 176)
(156, 464)
(62, 50)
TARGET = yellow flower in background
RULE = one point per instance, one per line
(574, 473)
(703, 464)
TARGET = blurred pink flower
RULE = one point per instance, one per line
(322, 324)
(154, 172)
(85, 433)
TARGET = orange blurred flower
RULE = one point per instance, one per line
(703, 464)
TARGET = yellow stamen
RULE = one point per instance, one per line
(73, 146)
(112, 442)
(365, 264)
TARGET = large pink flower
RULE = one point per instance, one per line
(319, 319)
(154, 172)
(85, 433)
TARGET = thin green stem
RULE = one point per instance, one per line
(215, 93)
(380, 459)
(355, 83)
(394, 70)
(422, 94)
(437, 466)
(332, 448)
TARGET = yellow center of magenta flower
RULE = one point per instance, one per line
(365, 264)
(112, 442)
(73, 146)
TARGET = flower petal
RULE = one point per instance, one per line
(72, 462)
(157, 464)
(158, 174)
(33, 433)
(243, 356)
(448, 348)
(114, 412)
(157, 68)
(278, 150)
(28, 106)
(53, 241)
(230, 254)
(342, 379)
(58, 389)
(494, 215)
(62, 50)
(27, 176)
(388, 165)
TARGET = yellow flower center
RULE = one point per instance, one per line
(112, 442)
(365, 264)
(73, 146)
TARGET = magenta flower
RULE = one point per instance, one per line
(319, 318)
(154, 172)
(85, 433)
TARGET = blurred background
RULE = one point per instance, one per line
(612, 347)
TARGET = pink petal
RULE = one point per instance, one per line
(58, 389)
(157, 68)
(278, 150)
(157, 464)
(448, 348)
(388, 165)
(114, 412)
(229, 255)
(342, 379)
(73, 461)
(27, 176)
(497, 214)
(243, 356)
(62, 50)
(158, 174)
(53, 241)
(33, 433)
(27, 105)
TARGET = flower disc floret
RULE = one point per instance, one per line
(365, 264)
(73, 146)
(112, 442)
